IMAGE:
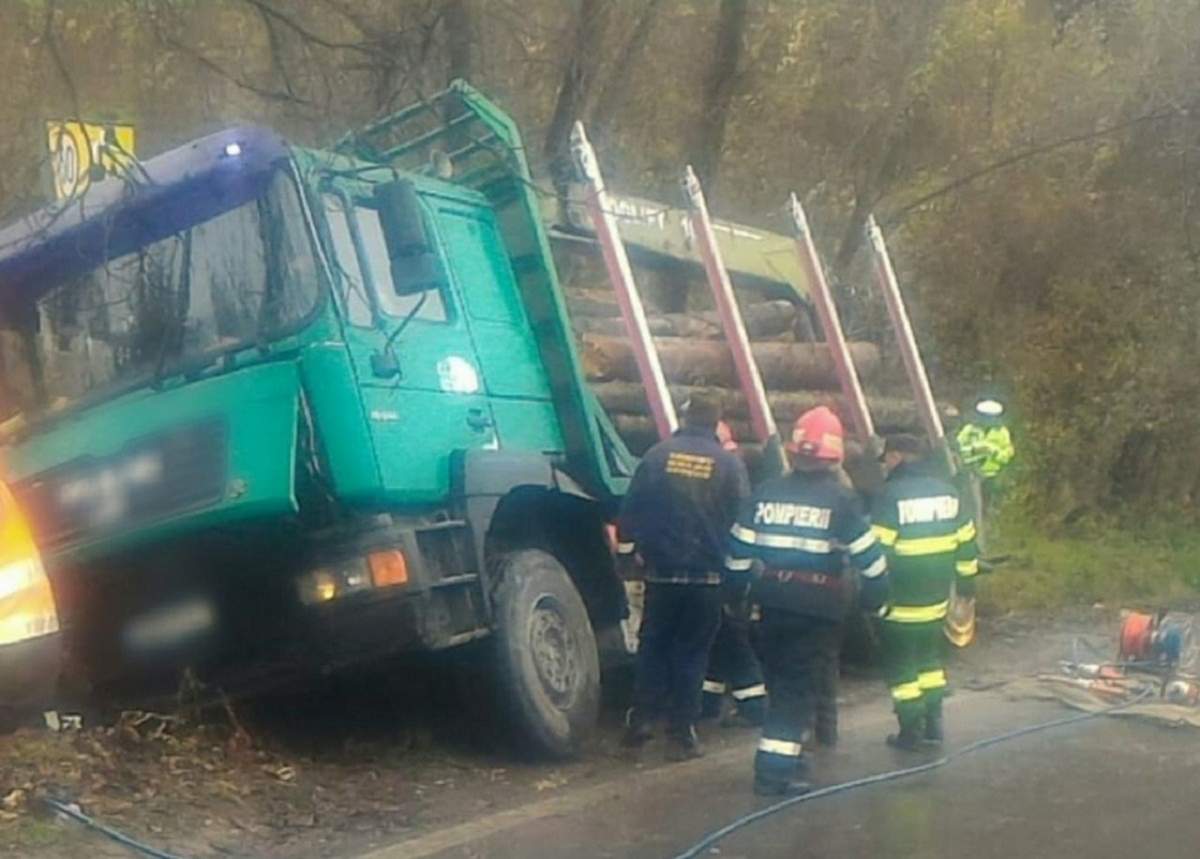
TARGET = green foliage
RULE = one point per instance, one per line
(1110, 562)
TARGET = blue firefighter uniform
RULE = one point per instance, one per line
(801, 529)
(676, 516)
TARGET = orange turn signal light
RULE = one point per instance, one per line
(388, 568)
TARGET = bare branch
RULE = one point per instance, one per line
(268, 11)
(1026, 154)
(275, 48)
(616, 88)
(356, 20)
(50, 40)
(200, 59)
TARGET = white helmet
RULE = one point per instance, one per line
(989, 408)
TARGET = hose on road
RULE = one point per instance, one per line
(895, 775)
(121, 838)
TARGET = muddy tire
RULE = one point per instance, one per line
(547, 668)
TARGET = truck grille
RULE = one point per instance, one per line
(151, 477)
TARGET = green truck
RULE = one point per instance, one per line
(299, 409)
(295, 410)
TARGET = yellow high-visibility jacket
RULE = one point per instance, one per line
(986, 450)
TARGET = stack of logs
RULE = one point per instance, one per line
(797, 375)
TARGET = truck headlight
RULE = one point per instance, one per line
(26, 601)
(334, 581)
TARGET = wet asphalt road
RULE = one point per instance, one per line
(1104, 788)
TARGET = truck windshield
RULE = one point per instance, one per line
(240, 278)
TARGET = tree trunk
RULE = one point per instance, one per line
(456, 19)
(578, 81)
(784, 366)
(719, 89)
(617, 86)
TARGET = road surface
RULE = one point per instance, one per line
(1107, 787)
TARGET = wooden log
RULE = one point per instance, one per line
(784, 366)
(762, 319)
(609, 327)
(766, 319)
(893, 414)
(592, 302)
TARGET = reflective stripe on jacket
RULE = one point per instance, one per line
(802, 528)
(929, 540)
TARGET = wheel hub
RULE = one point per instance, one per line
(555, 651)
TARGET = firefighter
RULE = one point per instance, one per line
(985, 449)
(929, 540)
(733, 667)
(674, 521)
(798, 530)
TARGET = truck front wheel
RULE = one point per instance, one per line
(548, 670)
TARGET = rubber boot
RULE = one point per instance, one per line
(934, 733)
(638, 731)
(684, 745)
(908, 739)
(797, 785)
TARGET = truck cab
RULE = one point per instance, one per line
(288, 410)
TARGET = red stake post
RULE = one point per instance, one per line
(831, 324)
(621, 275)
(761, 419)
(915, 367)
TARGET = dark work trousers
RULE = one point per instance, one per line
(912, 664)
(800, 656)
(825, 684)
(976, 493)
(733, 667)
(678, 627)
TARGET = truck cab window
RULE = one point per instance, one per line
(233, 280)
(354, 286)
(392, 301)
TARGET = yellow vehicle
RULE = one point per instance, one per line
(30, 647)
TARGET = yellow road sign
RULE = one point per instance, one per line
(80, 150)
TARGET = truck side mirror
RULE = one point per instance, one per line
(414, 259)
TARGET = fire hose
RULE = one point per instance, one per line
(73, 812)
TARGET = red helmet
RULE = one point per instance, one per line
(818, 434)
(725, 436)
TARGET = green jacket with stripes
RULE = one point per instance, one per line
(929, 540)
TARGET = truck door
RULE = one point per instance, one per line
(514, 376)
(435, 403)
